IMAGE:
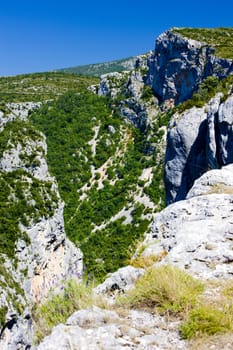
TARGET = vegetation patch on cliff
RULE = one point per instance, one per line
(97, 159)
(165, 289)
(219, 38)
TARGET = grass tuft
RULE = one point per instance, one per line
(166, 289)
(145, 262)
(207, 320)
(60, 306)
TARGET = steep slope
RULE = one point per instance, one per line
(102, 163)
(180, 64)
(218, 38)
(199, 139)
(35, 253)
(194, 234)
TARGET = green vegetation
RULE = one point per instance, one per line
(212, 315)
(208, 320)
(97, 69)
(207, 89)
(41, 86)
(110, 246)
(20, 132)
(24, 200)
(60, 306)
(166, 289)
(3, 311)
(13, 290)
(169, 290)
(72, 125)
(219, 38)
(147, 93)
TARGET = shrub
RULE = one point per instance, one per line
(147, 261)
(147, 93)
(165, 288)
(207, 320)
(60, 306)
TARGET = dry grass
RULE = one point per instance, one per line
(215, 342)
(208, 320)
(212, 316)
(166, 289)
(147, 261)
(60, 306)
(220, 188)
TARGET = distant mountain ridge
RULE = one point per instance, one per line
(97, 69)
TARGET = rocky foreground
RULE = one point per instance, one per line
(196, 234)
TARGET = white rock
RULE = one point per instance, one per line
(197, 233)
(121, 280)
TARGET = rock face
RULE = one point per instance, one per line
(121, 280)
(197, 232)
(180, 64)
(129, 87)
(98, 329)
(46, 257)
(199, 139)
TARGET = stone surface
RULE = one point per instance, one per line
(218, 180)
(198, 139)
(129, 87)
(197, 233)
(180, 64)
(185, 153)
(18, 110)
(121, 280)
(99, 329)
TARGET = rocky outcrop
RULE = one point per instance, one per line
(197, 233)
(180, 64)
(44, 257)
(120, 281)
(97, 329)
(198, 139)
(129, 87)
(194, 234)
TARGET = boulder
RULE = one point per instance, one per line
(197, 233)
(121, 280)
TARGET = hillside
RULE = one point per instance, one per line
(98, 69)
(87, 166)
(41, 86)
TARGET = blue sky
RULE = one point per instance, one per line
(40, 35)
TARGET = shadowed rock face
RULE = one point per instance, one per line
(180, 64)
(198, 140)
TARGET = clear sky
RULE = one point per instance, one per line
(40, 35)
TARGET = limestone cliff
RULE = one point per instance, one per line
(37, 256)
(198, 139)
(179, 64)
